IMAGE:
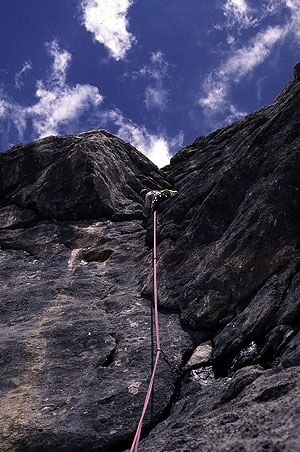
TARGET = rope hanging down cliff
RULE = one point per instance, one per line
(154, 206)
(136, 439)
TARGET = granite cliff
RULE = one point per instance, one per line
(76, 287)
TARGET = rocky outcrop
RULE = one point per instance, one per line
(78, 177)
(76, 285)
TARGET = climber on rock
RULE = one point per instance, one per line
(153, 199)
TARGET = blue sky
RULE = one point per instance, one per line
(157, 73)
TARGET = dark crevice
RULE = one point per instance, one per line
(121, 446)
(178, 374)
(223, 364)
(166, 310)
(273, 349)
(97, 255)
(161, 309)
(110, 358)
(16, 247)
(197, 336)
(164, 415)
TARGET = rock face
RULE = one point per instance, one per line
(89, 175)
(76, 285)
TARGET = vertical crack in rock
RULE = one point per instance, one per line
(110, 357)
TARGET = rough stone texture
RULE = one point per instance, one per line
(75, 330)
(249, 412)
(14, 217)
(76, 286)
(82, 176)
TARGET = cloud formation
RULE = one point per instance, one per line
(241, 62)
(294, 22)
(18, 78)
(61, 61)
(58, 103)
(108, 23)
(247, 58)
(157, 147)
(156, 71)
(3, 107)
(238, 12)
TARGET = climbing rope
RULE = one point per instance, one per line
(136, 439)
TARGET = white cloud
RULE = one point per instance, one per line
(158, 67)
(18, 78)
(58, 103)
(242, 62)
(19, 117)
(156, 96)
(239, 65)
(247, 58)
(11, 112)
(157, 147)
(240, 15)
(294, 23)
(58, 106)
(233, 114)
(61, 61)
(271, 6)
(3, 107)
(238, 12)
(216, 89)
(107, 21)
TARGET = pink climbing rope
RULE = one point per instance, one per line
(155, 285)
(136, 439)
